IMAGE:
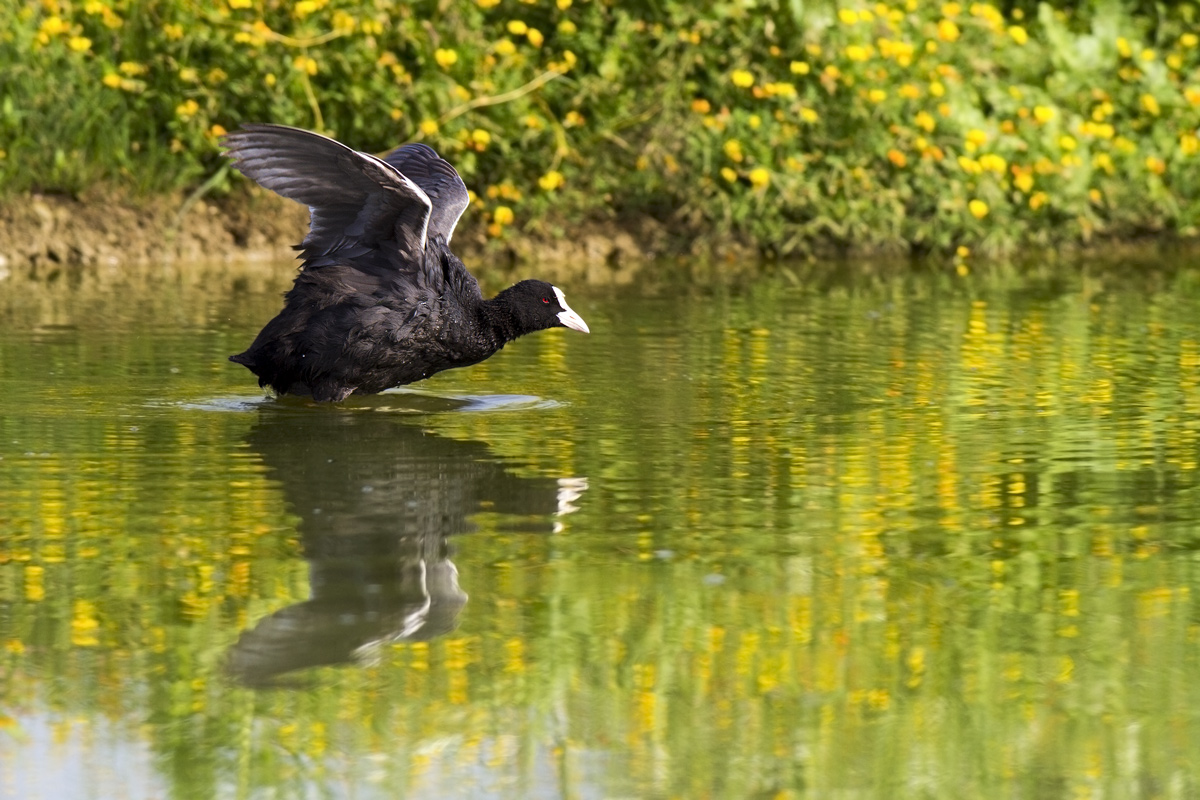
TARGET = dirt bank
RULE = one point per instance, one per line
(44, 234)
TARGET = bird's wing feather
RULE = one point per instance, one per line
(440, 182)
(353, 198)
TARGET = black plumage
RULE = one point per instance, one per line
(380, 300)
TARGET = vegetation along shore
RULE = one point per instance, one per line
(784, 128)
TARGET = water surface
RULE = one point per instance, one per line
(799, 536)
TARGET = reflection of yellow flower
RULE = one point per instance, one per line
(742, 78)
(503, 215)
(978, 209)
(551, 180)
(728, 174)
(445, 57)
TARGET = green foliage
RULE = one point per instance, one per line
(904, 126)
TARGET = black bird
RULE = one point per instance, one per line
(380, 300)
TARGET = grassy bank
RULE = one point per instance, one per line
(922, 126)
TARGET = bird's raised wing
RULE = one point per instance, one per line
(440, 182)
(354, 199)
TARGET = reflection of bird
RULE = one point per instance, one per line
(376, 499)
(380, 300)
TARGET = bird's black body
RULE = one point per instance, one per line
(380, 300)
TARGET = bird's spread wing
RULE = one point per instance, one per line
(440, 182)
(354, 199)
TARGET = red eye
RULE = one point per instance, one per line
(546, 300)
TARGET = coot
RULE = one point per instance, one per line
(380, 300)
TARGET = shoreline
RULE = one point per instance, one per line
(43, 235)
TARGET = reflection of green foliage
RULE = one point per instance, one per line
(954, 522)
(913, 124)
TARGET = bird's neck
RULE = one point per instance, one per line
(500, 319)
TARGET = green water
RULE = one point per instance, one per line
(884, 537)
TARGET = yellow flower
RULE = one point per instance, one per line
(877, 95)
(1043, 114)
(503, 215)
(993, 163)
(701, 106)
(396, 114)
(1095, 196)
(963, 251)
(305, 64)
(567, 28)
(951, 10)
(1024, 182)
(1156, 165)
(728, 174)
(1189, 40)
(563, 5)
(1018, 34)
(936, 88)
(910, 92)
(977, 137)
(925, 121)
(848, 16)
(1123, 47)
(445, 57)
(1103, 161)
(305, 7)
(52, 26)
(173, 32)
(1037, 200)
(800, 68)
(486, 4)
(1148, 55)
(428, 127)
(742, 78)
(759, 177)
(481, 137)
(1150, 103)
(240, 3)
(187, 109)
(947, 31)
(1192, 95)
(809, 115)
(1189, 145)
(269, 79)
(897, 158)
(535, 37)
(969, 165)
(754, 122)
(80, 44)
(216, 130)
(112, 80)
(978, 209)
(1067, 143)
(573, 119)
(856, 52)
(733, 149)
(551, 180)
(516, 27)
(505, 47)
(131, 68)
